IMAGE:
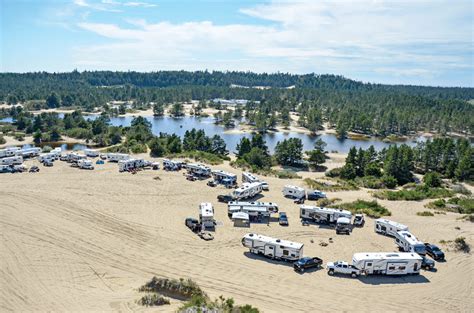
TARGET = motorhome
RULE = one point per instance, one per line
(407, 242)
(130, 164)
(272, 247)
(200, 170)
(387, 263)
(28, 152)
(171, 165)
(294, 192)
(225, 178)
(388, 228)
(253, 209)
(56, 152)
(13, 160)
(85, 164)
(246, 191)
(74, 157)
(323, 215)
(251, 178)
(206, 215)
(91, 153)
(8, 152)
(47, 157)
(115, 157)
(343, 226)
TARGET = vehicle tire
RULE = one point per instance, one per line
(353, 275)
(331, 272)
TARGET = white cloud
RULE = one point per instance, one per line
(416, 39)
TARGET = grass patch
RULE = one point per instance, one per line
(202, 304)
(201, 156)
(341, 185)
(324, 202)
(460, 244)
(285, 174)
(370, 208)
(181, 289)
(462, 205)
(153, 300)
(424, 213)
(416, 194)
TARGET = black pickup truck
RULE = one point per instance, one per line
(305, 263)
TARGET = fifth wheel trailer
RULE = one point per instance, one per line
(14, 160)
(272, 247)
(323, 215)
(388, 228)
(387, 263)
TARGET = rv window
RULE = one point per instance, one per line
(344, 266)
(391, 268)
(285, 252)
(401, 268)
(271, 247)
(369, 264)
(303, 212)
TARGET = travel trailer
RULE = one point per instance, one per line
(248, 190)
(253, 209)
(225, 178)
(241, 219)
(8, 152)
(170, 165)
(323, 215)
(206, 215)
(198, 169)
(130, 164)
(91, 153)
(13, 160)
(294, 192)
(407, 242)
(85, 164)
(272, 247)
(250, 178)
(343, 226)
(28, 152)
(388, 228)
(387, 263)
(74, 157)
(115, 157)
(47, 157)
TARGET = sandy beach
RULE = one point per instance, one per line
(78, 240)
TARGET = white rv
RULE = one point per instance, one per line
(115, 157)
(294, 192)
(171, 165)
(8, 152)
(130, 164)
(47, 157)
(225, 178)
(206, 215)
(198, 169)
(254, 209)
(85, 164)
(387, 263)
(251, 178)
(407, 242)
(74, 157)
(248, 190)
(272, 247)
(388, 228)
(91, 153)
(323, 215)
(13, 160)
(28, 152)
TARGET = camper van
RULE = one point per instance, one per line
(225, 178)
(130, 164)
(407, 242)
(388, 263)
(85, 164)
(170, 165)
(8, 152)
(273, 248)
(323, 215)
(294, 192)
(388, 228)
(206, 215)
(251, 178)
(13, 160)
(253, 209)
(248, 190)
(91, 153)
(200, 170)
(28, 152)
(115, 157)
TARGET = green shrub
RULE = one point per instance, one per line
(47, 149)
(424, 213)
(371, 182)
(153, 300)
(370, 208)
(182, 288)
(286, 174)
(417, 194)
(432, 179)
(335, 172)
(20, 136)
(462, 205)
(341, 185)
(201, 156)
(2, 140)
(460, 244)
(389, 181)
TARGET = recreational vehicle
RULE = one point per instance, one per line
(91, 153)
(115, 157)
(28, 152)
(206, 215)
(407, 242)
(241, 219)
(250, 178)
(388, 263)
(74, 157)
(13, 160)
(248, 190)
(273, 248)
(388, 228)
(323, 215)
(198, 169)
(8, 152)
(294, 192)
(85, 164)
(253, 209)
(47, 157)
(225, 178)
(130, 164)
(170, 165)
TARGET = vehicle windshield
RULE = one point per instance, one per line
(420, 249)
(434, 248)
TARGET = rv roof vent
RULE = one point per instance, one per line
(392, 255)
(278, 240)
(251, 235)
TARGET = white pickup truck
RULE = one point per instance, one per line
(342, 268)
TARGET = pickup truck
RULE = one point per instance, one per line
(305, 263)
(341, 267)
(434, 252)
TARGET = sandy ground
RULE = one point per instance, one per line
(78, 240)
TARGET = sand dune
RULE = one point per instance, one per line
(77, 240)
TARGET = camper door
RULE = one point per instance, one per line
(369, 266)
(270, 250)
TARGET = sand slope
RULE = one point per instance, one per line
(75, 240)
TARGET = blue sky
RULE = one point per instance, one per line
(399, 42)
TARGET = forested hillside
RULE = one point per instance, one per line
(346, 104)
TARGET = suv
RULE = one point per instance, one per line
(316, 195)
(192, 224)
(427, 264)
(211, 183)
(343, 268)
(359, 220)
(283, 219)
(434, 252)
